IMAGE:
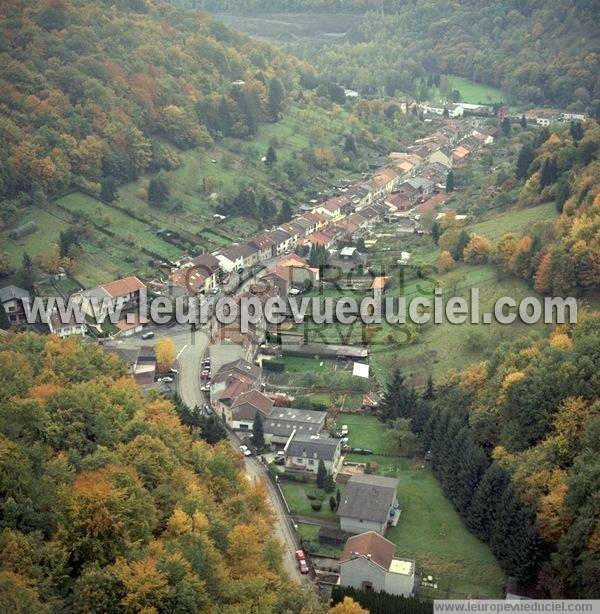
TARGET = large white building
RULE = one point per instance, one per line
(368, 563)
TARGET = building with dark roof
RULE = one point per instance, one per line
(369, 503)
(303, 453)
(283, 421)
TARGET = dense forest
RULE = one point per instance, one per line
(537, 52)
(99, 92)
(109, 504)
(557, 258)
(514, 442)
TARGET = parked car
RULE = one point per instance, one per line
(174, 371)
(245, 451)
(344, 430)
(166, 380)
(215, 291)
(148, 335)
(303, 566)
(300, 556)
(205, 388)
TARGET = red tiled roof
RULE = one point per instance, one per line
(190, 278)
(256, 399)
(318, 238)
(121, 287)
(370, 544)
(436, 199)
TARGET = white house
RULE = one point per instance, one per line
(369, 503)
(65, 328)
(238, 257)
(283, 241)
(368, 563)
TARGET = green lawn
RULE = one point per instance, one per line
(364, 432)
(476, 93)
(431, 531)
(301, 364)
(295, 495)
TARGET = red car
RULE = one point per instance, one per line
(303, 566)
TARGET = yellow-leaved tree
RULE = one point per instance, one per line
(165, 354)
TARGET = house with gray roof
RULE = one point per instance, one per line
(283, 421)
(369, 503)
(304, 453)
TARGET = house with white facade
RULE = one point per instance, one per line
(368, 563)
(303, 453)
(369, 503)
(67, 327)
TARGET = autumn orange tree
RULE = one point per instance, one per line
(109, 504)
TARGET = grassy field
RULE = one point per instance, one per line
(49, 228)
(435, 348)
(476, 93)
(518, 221)
(429, 530)
(364, 432)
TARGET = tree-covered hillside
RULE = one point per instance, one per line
(537, 52)
(514, 442)
(108, 504)
(98, 91)
(559, 257)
